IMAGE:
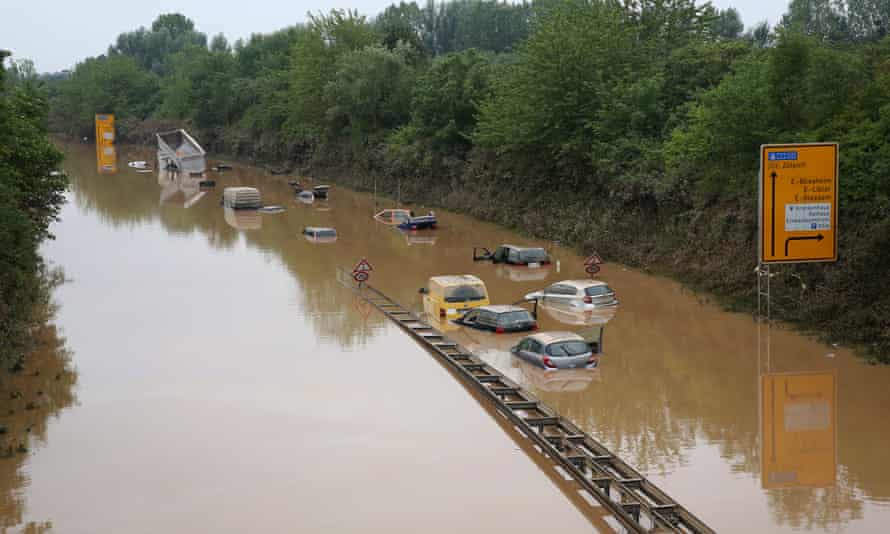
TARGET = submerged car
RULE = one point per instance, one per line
(499, 319)
(420, 222)
(513, 255)
(577, 294)
(558, 350)
(316, 234)
(393, 216)
(452, 295)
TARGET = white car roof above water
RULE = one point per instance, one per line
(455, 279)
(552, 337)
(581, 284)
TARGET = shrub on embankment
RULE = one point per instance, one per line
(30, 198)
(629, 127)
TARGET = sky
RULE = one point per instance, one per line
(56, 34)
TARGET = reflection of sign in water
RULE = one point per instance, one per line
(798, 202)
(798, 430)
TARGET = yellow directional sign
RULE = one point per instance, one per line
(106, 155)
(798, 203)
(798, 430)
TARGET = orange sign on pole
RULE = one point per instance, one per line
(798, 203)
(106, 155)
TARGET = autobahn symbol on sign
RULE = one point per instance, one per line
(798, 203)
(362, 271)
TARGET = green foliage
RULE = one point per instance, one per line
(30, 198)
(112, 84)
(727, 24)
(445, 105)
(315, 56)
(370, 93)
(152, 49)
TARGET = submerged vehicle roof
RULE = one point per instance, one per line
(455, 279)
(552, 337)
(319, 229)
(581, 284)
(517, 247)
(502, 308)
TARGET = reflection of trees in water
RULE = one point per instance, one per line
(820, 508)
(30, 397)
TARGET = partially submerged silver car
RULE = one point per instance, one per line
(558, 350)
(578, 294)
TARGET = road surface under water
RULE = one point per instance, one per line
(226, 382)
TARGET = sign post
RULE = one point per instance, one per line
(106, 154)
(592, 264)
(362, 271)
(798, 203)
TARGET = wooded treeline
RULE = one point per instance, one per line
(30, 198)
(629, 126)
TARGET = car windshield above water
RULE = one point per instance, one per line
(599, 290)
(532, 255)
(465, 293)
(515, 317)
(568, 348)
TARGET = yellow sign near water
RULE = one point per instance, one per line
(798, 203)
(106, 155)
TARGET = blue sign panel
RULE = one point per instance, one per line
(783, 156)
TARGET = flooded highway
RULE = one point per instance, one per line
(226, 382)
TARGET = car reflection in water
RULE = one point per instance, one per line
(243, 219)
(557, 380)
(414, 238)
(522, 273)
(567, 314)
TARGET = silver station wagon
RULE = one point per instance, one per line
(558, 350)
(579, 294)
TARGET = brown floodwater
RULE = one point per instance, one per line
(226, 382)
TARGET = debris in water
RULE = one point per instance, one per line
(207, 183)
(222, 167)
(829, 355)
(272, 209)
(139, 164)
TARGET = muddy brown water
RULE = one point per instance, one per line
(226, 382)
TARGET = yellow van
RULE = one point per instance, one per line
(449, 296)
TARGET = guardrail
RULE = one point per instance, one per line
(638, 504)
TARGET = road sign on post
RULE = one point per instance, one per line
(592, 264)
(362, 271)
(798, 203)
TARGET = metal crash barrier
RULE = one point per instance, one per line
(635, 502)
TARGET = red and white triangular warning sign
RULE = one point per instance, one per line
(362, 267)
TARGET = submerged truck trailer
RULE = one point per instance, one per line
(178, 150)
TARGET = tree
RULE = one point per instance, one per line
(315, 55)
(152, 49)
(727, 24)
(112, 84)
(370, 93)
(30, 198)
(445, 103)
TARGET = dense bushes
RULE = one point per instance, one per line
(30, 198)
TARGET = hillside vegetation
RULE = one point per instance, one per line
(631, 127)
